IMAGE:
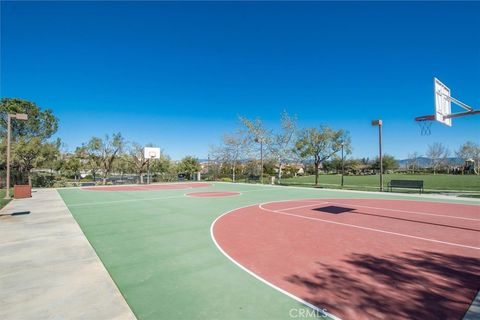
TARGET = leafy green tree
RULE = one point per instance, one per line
(41, 124)
(32, 153)
(90, 160)
(321, 144)
(189, 165)
(389, 163)
(162, 165)
(73, 166)
(105, 151)
(30, 146)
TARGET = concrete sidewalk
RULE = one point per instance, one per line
(48, 269)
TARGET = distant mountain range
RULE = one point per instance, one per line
(426, 162)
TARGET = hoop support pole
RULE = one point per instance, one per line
(462, 114)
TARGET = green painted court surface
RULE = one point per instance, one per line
(156, 245)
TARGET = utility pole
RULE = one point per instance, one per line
(343, 166)
(260, 140)
(20, 117)
(379, 124)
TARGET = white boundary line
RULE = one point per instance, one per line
(260, 206)
(308, 304)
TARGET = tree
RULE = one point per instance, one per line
(31, 153)
(29, 138)
(438, 155)
(282, 143)
(73, 165)
(412, 162)
(89, 158)
(256, 134)
(470, 150)
(40, 124)
(321, 144)
(105, 152)
(388, 163)
(189, 165)
(137, 159)
(234, 146)
(162, 165)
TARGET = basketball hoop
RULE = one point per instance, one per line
(443, 109)
(425, 127)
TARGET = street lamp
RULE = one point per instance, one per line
(379, 124)
(260, 140)
(343, 167)
(20, 117)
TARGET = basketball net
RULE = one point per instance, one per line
(425, 127)
(425, 124)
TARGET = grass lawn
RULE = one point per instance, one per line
(444, 182)
(3, 202)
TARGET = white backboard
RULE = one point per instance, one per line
(443, 105)
(151, 153)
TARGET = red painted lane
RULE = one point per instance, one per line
(213, 194)
(354, 273)
(173, 186)
(370, 214)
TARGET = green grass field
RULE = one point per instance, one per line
(438, 182)
(157, 247)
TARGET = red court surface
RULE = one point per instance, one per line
(213, 194)
(150, 187)
(361, 258)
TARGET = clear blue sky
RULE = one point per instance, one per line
(178, 74)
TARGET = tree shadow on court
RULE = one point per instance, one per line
(419, 285)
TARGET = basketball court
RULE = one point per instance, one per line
(249, 251)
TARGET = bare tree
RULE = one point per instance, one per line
(234, 147)
(137, 159)
(438, 155)
(256, 133)
(412, 161)
(282, 143)
(470, 151)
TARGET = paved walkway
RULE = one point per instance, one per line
(48, 269)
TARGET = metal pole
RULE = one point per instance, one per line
(148, 170)
(7, 191)
(343, 167)
(261, 159)
(380, 154)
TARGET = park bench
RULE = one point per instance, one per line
(412, 184)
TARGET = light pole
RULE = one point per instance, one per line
(343, 167)
(20, 117)
(260, 140)
(379, 124)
